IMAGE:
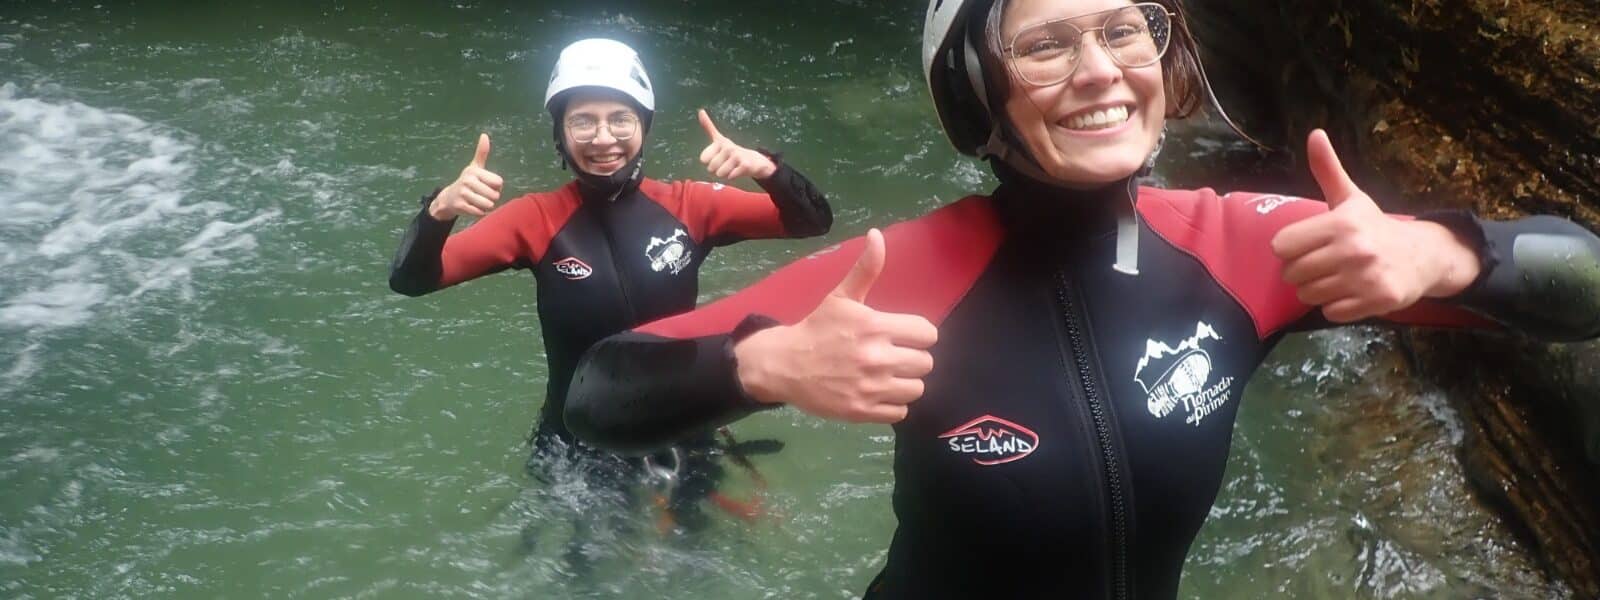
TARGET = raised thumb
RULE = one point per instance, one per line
(481, 157)
(864, 274)
(1337, 188)
(711, 128)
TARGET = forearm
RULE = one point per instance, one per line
(1538, 275)
(801, 206)
(418, 267)
(634, 393)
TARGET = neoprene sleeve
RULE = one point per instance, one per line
(1540, 275)
(636, 398)
(416, 266)
(801, 206)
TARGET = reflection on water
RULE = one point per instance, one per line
(207, 390)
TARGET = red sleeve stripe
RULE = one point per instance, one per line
(556, 209)
(673, 198)
(520, 229)
(714, 209)
(930, 265)
(1232, 238)
(1232, 235)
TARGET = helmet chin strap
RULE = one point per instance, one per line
(1128, 222)
(612, 185)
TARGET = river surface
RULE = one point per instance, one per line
(207, 389)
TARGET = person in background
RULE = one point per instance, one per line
(610, 249)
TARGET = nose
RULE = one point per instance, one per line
(1096, 68)
(603, 137)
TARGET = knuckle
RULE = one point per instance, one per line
(869, 357)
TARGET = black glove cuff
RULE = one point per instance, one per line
(1467, 227)
(747, 327)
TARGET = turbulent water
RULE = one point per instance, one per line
(207, 390)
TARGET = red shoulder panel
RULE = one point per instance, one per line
(1232, 235)
(715, 209)
(519, 229)
(930, 264)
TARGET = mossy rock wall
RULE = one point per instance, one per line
(1491, 105)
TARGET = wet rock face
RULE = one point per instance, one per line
(1488, 104)
(1519, 418)
(1491, 105)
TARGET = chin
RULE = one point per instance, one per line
(1096, 166)
(592, 170)
(1097, 173)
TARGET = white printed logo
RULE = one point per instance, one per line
(573, 268)
(1266, 204)
(1172, 376)
(989, 440)
(668, 254)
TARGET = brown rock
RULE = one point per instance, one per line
(1492, 105)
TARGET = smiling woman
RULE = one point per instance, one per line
(1062, 359)
(205, 391)
(1090, 137)
(612, 249)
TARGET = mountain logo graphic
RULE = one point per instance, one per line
(670, 254)
(991, 440)
(1173, 376)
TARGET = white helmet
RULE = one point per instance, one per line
(603, 63)
(955, 74)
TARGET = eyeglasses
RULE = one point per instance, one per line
(1048, 53)
(622, 126)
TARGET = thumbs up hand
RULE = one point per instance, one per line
(845, 361)
(1356, 262)
(473, 193)
(727, 160)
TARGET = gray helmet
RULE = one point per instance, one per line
(955, 74)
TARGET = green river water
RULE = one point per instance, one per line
(208, 391)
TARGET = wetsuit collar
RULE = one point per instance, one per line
(607, 188)
(1036, 212)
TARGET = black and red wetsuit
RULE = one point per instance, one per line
(1076, 424)
(606, 254)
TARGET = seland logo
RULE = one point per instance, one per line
(1181, 376)
(991, 440)
(572, 268)
(670, 254)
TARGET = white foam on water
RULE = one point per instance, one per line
(60, 305)
(14, 552)
(98, 207)
(26, 364)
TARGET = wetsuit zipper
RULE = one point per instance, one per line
(611, 253)
(1102, 426)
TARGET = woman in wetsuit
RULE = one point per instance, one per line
(613, 248)
(1062, 359)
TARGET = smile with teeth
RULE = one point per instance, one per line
(1100, 119)
(609, 157)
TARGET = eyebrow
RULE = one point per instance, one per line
(595, 117)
